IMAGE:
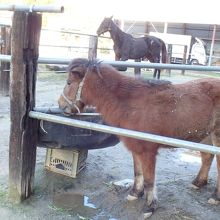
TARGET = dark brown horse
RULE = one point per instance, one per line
(127, 47)
(189, 111)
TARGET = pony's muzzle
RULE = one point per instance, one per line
(64, 106)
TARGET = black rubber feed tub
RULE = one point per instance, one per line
(53, 135)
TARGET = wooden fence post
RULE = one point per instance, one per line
(169, 58)
(5, 46)
(184, 59)
(93, 42)
(137, 70)
(23, 135)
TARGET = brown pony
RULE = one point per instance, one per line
(127, 47)
(189, 111)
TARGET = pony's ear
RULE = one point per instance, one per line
(94, 66)
(111, 17)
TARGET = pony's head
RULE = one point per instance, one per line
(105, 26)
(70, 100)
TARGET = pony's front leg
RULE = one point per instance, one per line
(148, 161)
(206, 159)
(138, 187)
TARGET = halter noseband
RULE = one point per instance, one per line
(77, 97)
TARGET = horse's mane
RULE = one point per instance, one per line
(108, 73)
(112, 77)
(123, 86)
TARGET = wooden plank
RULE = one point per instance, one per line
(5, 46)
(23, 135)
(93, 42)
(137, 70)
(184, 59)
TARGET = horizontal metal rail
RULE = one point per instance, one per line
(4, 24)
(144, 64)
(75, 33)
(72, 47)
(32, 8)
(125, 132)
(57, 110)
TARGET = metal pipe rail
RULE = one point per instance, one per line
(125, 132)
(46, 60)
(57, 110)
(70, 46)
(32, 8)
(75, 33)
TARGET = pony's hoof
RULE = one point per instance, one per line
(131, 198)
(147, 215)
(148, 212)
(134, 195)
(194, 187)
(198, 183)
(213, 201)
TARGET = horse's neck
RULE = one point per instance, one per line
(116, 33)
(98, 94)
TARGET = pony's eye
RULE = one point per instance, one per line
(77, 74)
(68, 82)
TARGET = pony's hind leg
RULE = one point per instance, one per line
(215, 199)
(138, 187)
(215, 135)
(206, 159)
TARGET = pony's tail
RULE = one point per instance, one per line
(164, 53)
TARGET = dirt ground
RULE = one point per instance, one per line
(92, 195)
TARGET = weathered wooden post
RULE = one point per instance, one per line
(169, 58)
(184, 59)
(23, 135)
(5, 48)
(93, 42)
(26, 26)
(137, 70)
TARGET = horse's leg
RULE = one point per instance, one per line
(137, 70)
(138, 187)
(206, 158)
(215, 199)
(117, 57)
(158, 75)
(215, 136)
(155, 73)
(121, 59)
(148, 161)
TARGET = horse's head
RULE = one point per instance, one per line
(105, 26)
(70, 100)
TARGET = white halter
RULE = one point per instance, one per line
(77, 97)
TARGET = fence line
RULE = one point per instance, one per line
(32, 8)
(75, 33)
(144, 64)
(125, 132)
(69, 46)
